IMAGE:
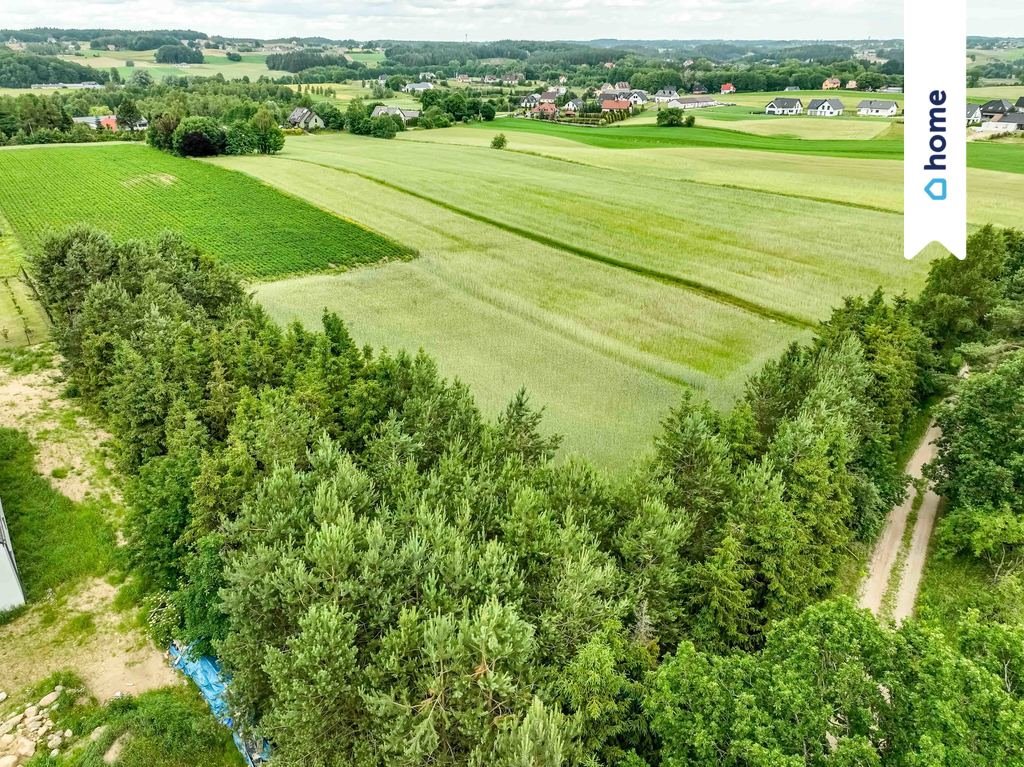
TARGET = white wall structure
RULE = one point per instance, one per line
(11, 593)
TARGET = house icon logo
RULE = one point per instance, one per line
(936, 189)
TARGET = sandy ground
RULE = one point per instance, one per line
(113, 658)
(883, 558)
(913, 568)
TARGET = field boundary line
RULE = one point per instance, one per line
(669, 279)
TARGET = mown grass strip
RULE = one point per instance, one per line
(669, 279)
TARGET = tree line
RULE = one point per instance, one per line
(349, 534)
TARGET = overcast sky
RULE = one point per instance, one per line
(503, 19)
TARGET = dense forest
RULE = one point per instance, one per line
(22, 70)
(348, 533)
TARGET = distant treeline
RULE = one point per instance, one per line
(175, 53)
(298, 61)
(108, 36)
(23, 70)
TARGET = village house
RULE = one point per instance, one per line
(461, 78)
(573, 107)
(783, 106)
(728, 88)
(792, 88)
(606, 88)
(427, 77)
(974, 115)
(876, 108)
(622, 85)
(832, 84)
(549, 97)
(304, 118)
(665, 95)
(995, 108)
(513, 79)
(637, 98)
(418, 87)
(545, 111)
(1007, 123)
(891, 89)
(851, 85)
(1020, 104)
(825, 108)
(699, 90)
(407, 115)
(529, 102)
(615, 105)
(490, 79)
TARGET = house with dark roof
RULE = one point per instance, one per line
(996, 107)
(692, 102)
(973, 114)
(407, 115)
(529, 102)
(1020, 104)
(304, 118)
(783, 106)
(1008, 123)
(638, 98)
(699, 90)
(573, 106)
(665, 95)
(877, 108)
(825, 107)
(549, 97)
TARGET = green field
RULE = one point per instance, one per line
(135, 191)
(602, 281)
(252, 65)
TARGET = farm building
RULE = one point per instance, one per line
(996, 107)
(876, 108)
(973, 114)
(1004, 123)
(832, 84)
(418, 87)
(665, 95)
(891, 89)
(782, 106)
(407, 115)
(790, 88)
(692, 102)
(11, 592)
(305, 118)
(825, 107)
(728, 88)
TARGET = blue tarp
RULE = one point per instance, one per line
(206, 673)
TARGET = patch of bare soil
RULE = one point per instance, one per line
(67, 443)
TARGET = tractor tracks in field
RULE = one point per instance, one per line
(712, 293)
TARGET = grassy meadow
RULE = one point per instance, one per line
(135, 191)
(252, 65)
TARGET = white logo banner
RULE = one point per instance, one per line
(935, 154)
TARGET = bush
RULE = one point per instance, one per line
(240, 139)
(675, 118)
(487, 111)
(383, 127)
(199, 137)
(232, 56)
(178, 54)
(499, 141)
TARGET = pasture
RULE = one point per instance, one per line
(252, 65)
(135, 191)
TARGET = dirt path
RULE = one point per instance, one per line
(906, 595)
(887, 549)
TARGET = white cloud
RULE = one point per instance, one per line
(499, 19)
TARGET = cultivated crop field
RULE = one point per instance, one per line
(135, 191)
(252, 65)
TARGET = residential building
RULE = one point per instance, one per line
(783, 106)
(891, 89)
(616, 105)
(792, 88)
(825, 108)
(304, 118)
(974, 115)
(699, 90)
(1020, 104)
(573, 107)
(637, 98)
(549, 97)
(407, 115)
(665, 95)
(728, 88)
(692, 102)
(622, 85)
(878, 108)
(832, 84)
(995, 108)
(545, 111)
(529, 102)
(851, 85)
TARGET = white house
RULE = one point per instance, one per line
(692, 102)
(418, 87)
(637, 98)
(11, 592)
(825, 107)
(406, 114)
(665, 95)
(876, 108)
(306, 119)
(781, 106)
(973, 114)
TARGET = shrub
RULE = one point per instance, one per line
(499, 141)
(383, 127)
(199, 137)
(241, 139)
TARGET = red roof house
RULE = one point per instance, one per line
(108, 123)
(728, 88)
(547, 111)
(615, 105)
